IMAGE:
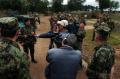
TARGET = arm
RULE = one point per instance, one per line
(112, 73)
(49, 56)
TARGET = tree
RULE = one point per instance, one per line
(103, 4)
(114, 5)
(24, 5)
(75, 4)
(41, 6)
(19, 5)
(57, 5)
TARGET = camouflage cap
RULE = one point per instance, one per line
(103, 28)
(9, 20)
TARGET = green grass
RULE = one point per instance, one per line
(89, 45)
(116, 16)
(114, 39)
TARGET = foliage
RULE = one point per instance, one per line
(114, 5)
(103, 4)
(38, 5)
(75, 4)
(24, 5)
(57, 5)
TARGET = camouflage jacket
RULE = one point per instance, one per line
(96, 25)
(102, 62)
(28, 33)
(81, 34)
(13, 61)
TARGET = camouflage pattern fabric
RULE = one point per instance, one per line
(96, 25)
(8, 20)
(103, 27)
(102, 62)
(28, 33)
(13, 61)
(80, 36)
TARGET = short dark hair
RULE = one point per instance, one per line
(70, 40)
(8, 30)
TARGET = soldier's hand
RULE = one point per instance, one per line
(37, 36)
(33, 33)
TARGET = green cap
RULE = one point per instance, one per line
(9, 20)
(103, 28)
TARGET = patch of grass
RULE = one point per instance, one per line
(89, 45)
(116, 16)
(114, 38)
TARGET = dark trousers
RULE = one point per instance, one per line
(93, 37)
(51, 45)
(29, 48)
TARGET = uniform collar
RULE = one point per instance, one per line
(66, 47)
(13, 43)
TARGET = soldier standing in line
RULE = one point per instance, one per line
(13, 61)
(29, 39)
(80, 36)
(102, 64)
(33, 24)
(95, 26)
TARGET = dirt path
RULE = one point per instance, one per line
(37, 70)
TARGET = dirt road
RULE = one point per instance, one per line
(37, 70)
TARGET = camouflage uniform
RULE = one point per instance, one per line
(95, 26)
(13, 61)
(80, 36)
(103, 58)
(102, 62)
(29, 40)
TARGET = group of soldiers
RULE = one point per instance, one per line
(103, 20)
(64, 24)
(65, 55)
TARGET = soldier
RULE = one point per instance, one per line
(13, 61)
(103, 60)
(29, 39)
(95, 26)
(80, 36)
(33, 24)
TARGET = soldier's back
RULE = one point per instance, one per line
(13, 61)
(102, 62)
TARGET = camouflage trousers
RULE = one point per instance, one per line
(94, 75)
(100, 76)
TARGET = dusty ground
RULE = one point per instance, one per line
(37, 70)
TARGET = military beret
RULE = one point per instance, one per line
(103, 27)
(11, 21)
